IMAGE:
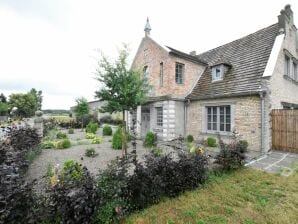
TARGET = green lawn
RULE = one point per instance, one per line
(247, 196)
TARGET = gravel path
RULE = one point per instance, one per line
(38, 168)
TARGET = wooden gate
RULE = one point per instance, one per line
(285, 130)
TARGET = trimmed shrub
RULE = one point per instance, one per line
(92, 127)
(90, 152)
(211, 142)
(70, 131)
(117, 139)
(189, 138)
(90, 136)
(107, 130)
(61, 135)
(96, 140)
(150, 139)
(63, 144)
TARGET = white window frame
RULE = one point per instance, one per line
(287, 61)
(217, 76)
(295, 71)
(179, 74)
(159, 116)
(215, 122)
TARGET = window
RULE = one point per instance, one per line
(287, 66)
(145, 71)
(161, 74)
(219, 118)
(295, 72)
(159, 116)
(217, 73)
(179, 73)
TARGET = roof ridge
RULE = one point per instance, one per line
(239, 39)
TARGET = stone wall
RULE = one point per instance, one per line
(279, 87)
(151, 54)
(245, 118)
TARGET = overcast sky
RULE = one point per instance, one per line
(50, 44)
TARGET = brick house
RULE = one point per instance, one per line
(231, 87)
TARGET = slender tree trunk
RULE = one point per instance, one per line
(124, 146)
(82, 123)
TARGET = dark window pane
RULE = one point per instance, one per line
(214, 126)
(222, 119)
(222, 110)
(228, 110)
(209, 126)
(209, 110)
(228, 119)
(222, 127)
(228, 127)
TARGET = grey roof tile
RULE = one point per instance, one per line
(248, 57)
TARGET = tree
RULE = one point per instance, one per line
(123, 89)
(38, 97)
(3, 98)
(26, 104)
(81, 109)
(3, 105)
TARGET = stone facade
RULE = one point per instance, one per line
(245, 119)
(281, 88)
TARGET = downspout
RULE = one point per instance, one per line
(262, 95)
(186, 103)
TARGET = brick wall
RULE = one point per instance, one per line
(245, 118)
(152, 54)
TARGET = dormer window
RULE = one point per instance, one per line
(218, 72)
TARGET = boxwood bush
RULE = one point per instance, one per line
(107, 130)
(117, 139)
(189, 138)
(211, 142)
(92, 127)
(61, 135)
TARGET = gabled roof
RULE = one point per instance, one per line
(247, 56)
(188, 57)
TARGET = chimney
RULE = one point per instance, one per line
(286, 16)
(193, 53)
(147, 28)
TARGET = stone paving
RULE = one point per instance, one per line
(276, 162)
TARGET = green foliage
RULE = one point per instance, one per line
(61, 135)
(107, 130)
(211, 142)
(47, 145)
(150, 139)
(92, 127)
(27, 103)
(50, 170)
(81, 109)
(4, 107)
(189, 138)
(72, 171)
(90, 152)
(70, 131)
(63, 144)
(123, 88)
(90, 136)
(33, 153)
(96, 140)
(117, 139)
